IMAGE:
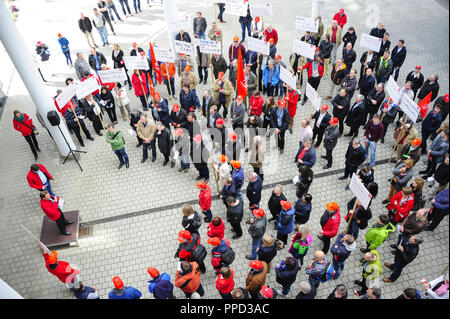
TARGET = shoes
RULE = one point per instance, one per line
(100, 134)
(393, 252)
(223, 21)
(341, 178)
(233, 230)
(347, 187)
(324, 157)
(316, 145)
(388, 265)
(38, 149)
(180, 169)
(249, 257)
(186, 170)
(346, 135)
(91, 138)
(364, 250)
(165, 162)
(206, 180)
(153, 159)
(271, 219)
(320, 237)
(328, 97)
(382, 140)
(127, 165)
(35, 157)
(103, 44)
(143, 160)
(385, 201)
(393, 246)
(358, 282)
(246, 150)
(172, 164)
(304, 102)
(95, 45)
(281, 152)
(120, 166)
(422, 172)
(82, 144)
(290, 131)
(206, 219)
(138, 144)
(67, 233)
(279, 292)
(204, 82)
(115, 122)
(326, 166)
(387, 279)
(198, 178)
(236, 237)
(68, 222)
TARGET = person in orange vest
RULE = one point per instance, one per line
(39, 178)
(225, 282)
(61, 269)
(187, 278)
(168, 73)
(204, 200)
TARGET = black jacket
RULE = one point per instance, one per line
(208, 119)
(361, 214)
(274, 119)
(375, 32)
(408, 254)
(267, 253)
(348, 57)
(205, 108)
(366, 85)
(384, 47)
(118, 60)
(332, 295)
(101, 59)
(427, 88)
(199, 153)
(309, 295)
(377, 96)
(219, 65)
(342, 101)
(235, 214)
(349, 37)
(274, 203)
(287, 276)
(398, 58)
(416, 82)
(356, 116)
(372, 62)
(192, 224)
(165, 142)
(228, 191)
(325, 49)
(85, 25)
(325, 121)
(338, 76)
(233, 149)
(354, 157)
(135, 119)
(254, 191)
(180, 119)
(186, 37)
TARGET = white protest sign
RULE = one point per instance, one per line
(236, 7)
(136, 62)
(164, 55)
(210, 47)
(36, 240)
(288, 78)
(87, 87)
(66, 95)
(182, 23)
(393, 90)
(307, 24)
(370, 42)
(360, 191)
(112, 75)
(259, 46)
(303, 48)
(185, 48)
(313, 96)
(410, 108)
(261, 9)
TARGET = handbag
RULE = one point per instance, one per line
(33, 128)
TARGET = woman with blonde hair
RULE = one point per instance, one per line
(300, 243)
(117, 57)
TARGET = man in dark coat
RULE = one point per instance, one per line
(341, 105)
(356, 116)
(374, 100)
(354, 157)
(228, 189)
(160, 109)
(165, 143)
(219, 65)
(183, 36)
(430, 125)
(442, 102)
(135, 116)
(178, 117)
(85, 25)
(93, 62)
(368, 61)
(366, 83)
(279, 121)
(405, 253)
(75, 123)
(321, 121)
(416, 78)
(430, 85)
(385, 44)
(274, 202)
(200, 157)
(208, 100)
(235, 212)
(330, 140)
(379, 31)
(212, 116)
(349, 56)
(398, 57)
(254, 189)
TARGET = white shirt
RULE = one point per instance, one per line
(319, 120)
(305, 132)
(42, 177)
(369, 57)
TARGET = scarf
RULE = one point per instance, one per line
(302, 153)
(20, 119)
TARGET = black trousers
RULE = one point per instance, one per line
(354, 130)
(319, 133)
(108, 19)
(225, 108)
(202, 70)
(341, 125)
(112, 114)
(76, 129)
(431, 167)
(329, 156)
(364, 284)
(326, 244)
(258, 170)
(282, 237)
(31, 140)
(240, 133)
(436, 217)
(349, 170)
(237, 227)
(280, 137)
(61, 223)
(202, 169)
(269, 90)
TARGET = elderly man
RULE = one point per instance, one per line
(237, 109)
(306, 154)
(96, 59)
(146, 129)
(254, 189)
(356, 116)
(222, 88)
(81, 66)
(280, 123)
(348, 55)
(371, 270)
(341, 106)
(316, 268)
(379, 31)
(414, 224)
(374, 100)
(215, 34)
(305, 130)
(258, 224)
(306, 291)
(321, 122)
(207, 101)
(335, 33)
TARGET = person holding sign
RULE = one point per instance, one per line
(361, 215)
(51, 207)
(315, 72)
(257, 28)
(215, 34)
(75, 120)
(108, 102)
(61, 269)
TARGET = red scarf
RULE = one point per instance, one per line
(302, 153)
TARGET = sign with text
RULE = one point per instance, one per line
(307, 24)
(66, 95)
(393, 90)
(261, 9)
(210, 47)
(164, 55)
(112, 75)
(259, 46)
(370, 42)
(411, 109)
(87, 87)
(136, 62)
(360, 191)
(313, 96)
(288, 78)
(236, 7)
(185, 48)
(304, 49)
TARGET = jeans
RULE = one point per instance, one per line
(221, 10)
(171, 88)
(246, 25)
(111, 9)
(255, 244)
(353, 229)
(208, 214)
(338, 267)
(122, 2)
(122, 155)
(48, 187)
(201, 35)
(372, 147)
(103, 34)
(286, 289)
(145, 147)
(184, 164)
(314, 281)
(279, 87)
(200, 291)
(137, 6)
(68, 57)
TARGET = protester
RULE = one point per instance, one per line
(340, 292)
(306, 154)
(160, 286)
(280, 123)
(371, 270)
(300, 243)
(321, 121)
(286, 273)
(306, 291)
(317, 268)
(436, 153)
(235, 212)
(274, 202)
(118, 145)
(225, 282)
(24, 124)
(146, 129)
(439, 209)
(256, 230)
(330, 141)
(85, 25)
(61, 269)
(303, 208)
(256, 278)
(216, 228)
(285, 223)
(51, 208)
(372, 134)
(267, 250)
(188, 278)
(329, 222)
(341, 250)
(376, 235)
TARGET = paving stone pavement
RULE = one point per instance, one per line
(127, 245)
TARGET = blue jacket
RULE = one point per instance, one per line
(125, 293)
(83, 294)
(432, 122)
(317, 269)
(289, 228)
(64, 43)
(164, 115)
(219, 250)
(275, 76)
(286, 276)
(187, 100)
(238, 176)
(342, 251)
(441, 200)
(309, 159)
(302, 211)
(163, 286)
(438, 148)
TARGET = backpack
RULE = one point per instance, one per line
(228, 256)
(328, 274)
(199, 253)
(163, 290)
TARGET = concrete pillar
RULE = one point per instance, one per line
(170, 9)
(25, 66)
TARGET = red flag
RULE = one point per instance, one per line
(155, 65)
(240, 77)
(150, 85)
(424, 105)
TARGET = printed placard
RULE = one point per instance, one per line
(236, 7)
(210, 47)
(370, 42)
(288, 78)
(304, 49)
(112, 75)
(185, 48)
(411, 109)
(164, 55)
(259, 46)
(261, 9)
(307, 24)
(136, 62)
(66, 94)
(87, 87)
(360, 191)
(393, 90)
(313, 96)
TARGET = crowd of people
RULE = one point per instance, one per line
(270, 108)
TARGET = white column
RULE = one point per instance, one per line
(170, 9)
(6, 292)
(24, 64)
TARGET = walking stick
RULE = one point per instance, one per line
(445, 270)
(351, 217)
(215, 177)
(121, 102)
(76, 117)
(398, 138)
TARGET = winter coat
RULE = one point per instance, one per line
(271, 35)
(254, 190)
(408, 254)
(286, 221)
(411, 226)
(190, 281)
(349, 37)
(371, 64)
(266, 254)
(204, 198)
(237, 113)
(275, 76)
(302, 211)
(303, 183)
(161, 287)
(325, 121)
(325, 49)
(116, 140)
(160, 111)
(330, 137)
(376, 235)
(202, 58)
(400, 180)
(199, 25)
(101, 60)
(252, 83)
(341, 250)
(309, 158)
(309, 67)
(216, 231)
(401, 211)
(146, 132)
(184, 38)
(191, 80)
(35, 181)
(219, 65)
(165, 141)
(81, 66)
(188, 101)
(338, 75)
(125, 293)
(293, 97)
(274, 203)
(349, 85)
(438, 149)
(348, 57)
(431, 122)
(378, 97)
(398, 58)
(63, 270)
(258, 228)
(338, 35)
(274, 119)
(256, 279)
(85, 25)
(139, 84)
(356, 115)
(360, 214)
(299, 247)
(412, 134)
(374, 269)
(233, 52)
(185, 249)
(317, 269)
(256, 105)
(331, 227)
(225, 285)
(26, 127)
(178, 120)
(384, 68)
(118, 60)
(43, 52)
(50, 208)
(416, 82)
(217, 252)
(286, 276)
(206, 107)
(354, 157)
(192, 223)
(441, 201)
(342, 101)
(168, 70)
(227, 90)
(64, 43)
(373, 132)
(235, 214)
(441, 175)
(440, 101)
(407, 152)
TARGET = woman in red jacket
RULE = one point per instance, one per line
(315, 72)
(24, 124)
(292, 99)
(256, 104)
(204, 200)
(329, 221)
(50, 206)
(216, 228)
(400, 205)
(139, 82)
(225, 282)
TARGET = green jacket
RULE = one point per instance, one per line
(117, 143)
(374, 269)
(377, 235)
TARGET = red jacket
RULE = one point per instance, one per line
(341, 20)
(225, 285)
(109, 86)
(64, 109)
(63, 271)
(23, 127)
(137, 84)
(309, 67)
(186, 249)
(204, 198)
(293, 98)
(216, 231)
(401, 212)
(35, 181)
(90, 75)
(332, 226)
(256, 105)
(268, 35)
(51, 208)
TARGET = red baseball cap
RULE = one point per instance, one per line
(446, 97)
(197, 137)
(267, 292)
(324, 107)
(235, 164)
(118, 284)
(183, 235)
(418, 67)
(176, 107)
(256, 19)
(223, 158)
(156, 95)
(334, 120)
(256, 264)
(153, 272)
(341, 11)
(220, 75)
(236, 38)
(332, 206)
(239, 98)
(178, 132)
(215, 241)
(259, 212)
(278, 57)
(286, 204)
(220, 121)
(281, 102)
(232, 136)
(202, 185)
(187, 68)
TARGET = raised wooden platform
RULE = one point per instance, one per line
(50, 234)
